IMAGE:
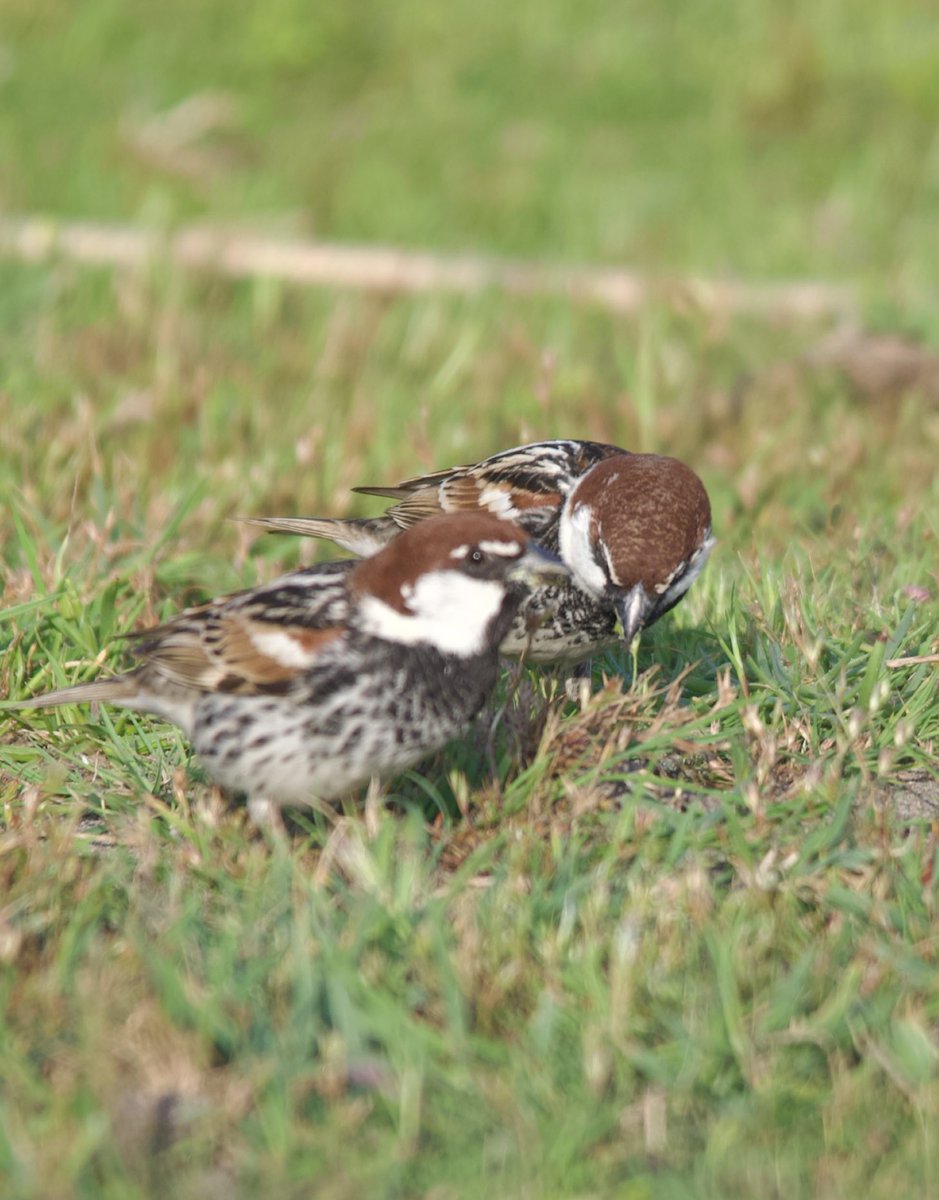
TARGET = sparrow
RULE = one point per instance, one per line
(633, 529)
(305, 688)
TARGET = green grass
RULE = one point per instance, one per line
(733, 135)
(679, 942)
(715, 977)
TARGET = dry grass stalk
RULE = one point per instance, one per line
(389, 269)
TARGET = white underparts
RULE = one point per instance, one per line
(575, 544)
(448, 610)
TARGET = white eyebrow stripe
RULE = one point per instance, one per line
(460, 552)
(503, 549)
(610, 566)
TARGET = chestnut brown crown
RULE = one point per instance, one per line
(636, 530)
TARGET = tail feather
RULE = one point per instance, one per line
(324, 527)
(387, 493)
(363, 536)
(117, 690)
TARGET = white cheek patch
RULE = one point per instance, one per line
(695, 566)
(575, 544)
(282, 647)
(448, 610)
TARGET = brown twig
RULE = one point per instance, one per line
(385, 268)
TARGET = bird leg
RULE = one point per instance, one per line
(578, 685)
(265, 815)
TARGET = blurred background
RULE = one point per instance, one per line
(717, 139)
(750, 137)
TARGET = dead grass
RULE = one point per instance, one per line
(677, 936)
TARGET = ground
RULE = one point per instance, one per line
(678, 940)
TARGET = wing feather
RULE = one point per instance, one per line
(258, 641)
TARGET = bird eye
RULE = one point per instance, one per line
(476, 556)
